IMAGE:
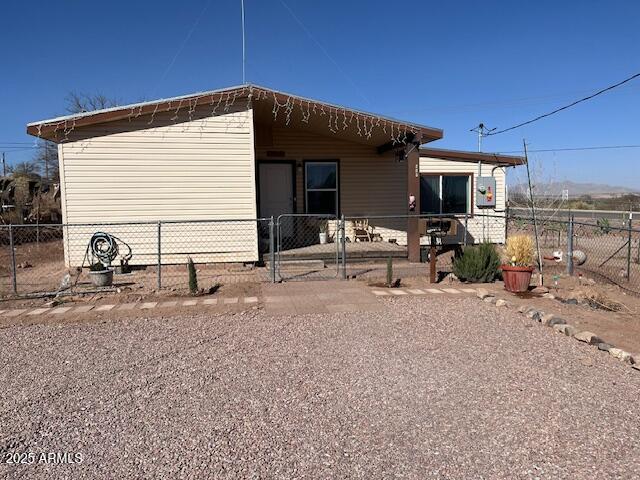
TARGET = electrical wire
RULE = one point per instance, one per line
(584, 99)
(572, 149)
(324, 50)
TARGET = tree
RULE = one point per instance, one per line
(83, 102)
(46, 161)
(24, 169)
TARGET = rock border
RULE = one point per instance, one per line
(560, 325)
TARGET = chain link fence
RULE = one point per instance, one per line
(150, 256)
(607, 249)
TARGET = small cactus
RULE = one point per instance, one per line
(193, 276)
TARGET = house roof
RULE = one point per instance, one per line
(463, 156)
(51, 129)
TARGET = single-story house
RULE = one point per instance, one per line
(248, 152)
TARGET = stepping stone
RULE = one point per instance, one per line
(416, 291)
(450, 290)
(38, 311)
(398, 292)
(274, 299)
(231, 300)
(379, 292)
(14, 313)
(190, 303)
(59, 310)
(83, 309)
(148, 305)
(104, 308)
(127, 306)
(169, 304)
(210, 301)
(433, 290)
(251, 300)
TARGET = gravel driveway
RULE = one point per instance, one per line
(426, 388)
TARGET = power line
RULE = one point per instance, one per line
(584, 99)
(574, 149)
(324, 50)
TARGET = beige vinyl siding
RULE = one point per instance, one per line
(369, 183)
(171, 169)
(491, 229)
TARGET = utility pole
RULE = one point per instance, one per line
(533, 212)
(4, 166)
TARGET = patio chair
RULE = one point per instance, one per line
(362, 232)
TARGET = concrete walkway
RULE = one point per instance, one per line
(281, 299)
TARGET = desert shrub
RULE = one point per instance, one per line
(193, 277)
(477, 264)
(604, 226)
(520, 250)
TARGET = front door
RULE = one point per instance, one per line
(276, 189)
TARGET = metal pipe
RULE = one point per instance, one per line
(272, 257)
(343, 243)
(159, 255)
(570, 246)
(14, 279)
(629, 247)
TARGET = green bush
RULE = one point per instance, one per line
(478, 264)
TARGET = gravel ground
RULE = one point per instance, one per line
(426, 388)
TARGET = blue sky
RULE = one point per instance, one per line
(445, 64)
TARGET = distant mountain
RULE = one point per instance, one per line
(576, 189)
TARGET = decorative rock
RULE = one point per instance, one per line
(621, 355)
(570, 301)
(550, 296)
(588, 337)
(501, 303)
(535, 315)
(489, 299)
(555, 321)
(605, 347)
(525, 308)
(570, 331)
(560, 327)
(540, 290)
(483, 293)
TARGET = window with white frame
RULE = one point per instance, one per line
(321, 188)
(444, 194)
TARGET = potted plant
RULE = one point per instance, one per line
(100, 275)
(516, 273)
(323, 232)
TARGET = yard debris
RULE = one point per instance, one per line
(24, 265)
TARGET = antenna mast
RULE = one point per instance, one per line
(244, 79)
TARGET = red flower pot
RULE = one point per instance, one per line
(516, 279)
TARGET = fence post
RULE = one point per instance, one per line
(159, 254)
(343, 247)
(14, 280)
(272, 254)
(466, 223)
(570, 246)
(629, 226)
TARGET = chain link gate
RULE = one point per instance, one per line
(308, 247)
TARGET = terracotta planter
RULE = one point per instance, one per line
(516, 279)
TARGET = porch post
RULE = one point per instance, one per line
(413, 189)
